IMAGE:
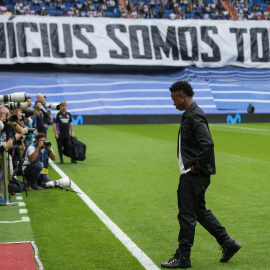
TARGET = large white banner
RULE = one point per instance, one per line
(94, 41)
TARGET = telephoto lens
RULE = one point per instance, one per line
(28, 111)
(14, 105)
(32, 130)
(62, 182)
(16, 97)
(54, 106)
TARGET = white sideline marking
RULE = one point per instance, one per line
(24, 219)
(145, 261)
(19, 198)
(257, 129)
(23, 211)
(40, 266)
(21, 204)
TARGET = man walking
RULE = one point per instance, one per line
(195, 152)
(62, 123)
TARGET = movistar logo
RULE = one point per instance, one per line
(77, 121)
(233, 120)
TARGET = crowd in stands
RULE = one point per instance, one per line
(140, 9)
(87, 8)
(259, 10)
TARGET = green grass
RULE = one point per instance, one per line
(14, 232)
(131, 173)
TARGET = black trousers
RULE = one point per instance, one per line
(33, 174)
(66, 143)
(191, 204)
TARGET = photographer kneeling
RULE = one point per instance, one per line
(36, 162)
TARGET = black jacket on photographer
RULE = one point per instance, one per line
(197, 147)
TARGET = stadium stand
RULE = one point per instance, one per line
(139, 9)
(217, 91)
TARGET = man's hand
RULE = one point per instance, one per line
(56, 136)
(3, 118)
(48, 148)
(40, 144)
(13, 124)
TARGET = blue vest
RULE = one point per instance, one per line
(43, 159)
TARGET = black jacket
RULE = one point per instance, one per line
(197, 147)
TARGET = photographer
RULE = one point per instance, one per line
(29, 101)
(6, 139)
(43, 118)
(21, 143)
(18, 113)
(38, 121)
(48, 114)
(62, 123)
(36, 162)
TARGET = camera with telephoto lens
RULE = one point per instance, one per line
(14, 105)
(11, 117)
(54, 106)
(28, 112)
(63, 182)
(16, 97)
(47, 144)
(31, 130)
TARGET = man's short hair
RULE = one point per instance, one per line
(40, 135)
(63, 102)
(37, 102)
(182, 86)
(28, 98)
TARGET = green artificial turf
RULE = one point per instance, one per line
(14, 231)
(131, 173)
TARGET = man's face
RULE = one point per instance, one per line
(29, 102)
(41, 98)
(63, 107)
(177, 100)
(3, 112)
(36, 112)
(38, 104)
(41, 140)
(19, 115)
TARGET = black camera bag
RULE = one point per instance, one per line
(15, 186)
(78, 148)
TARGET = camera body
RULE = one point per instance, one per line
(47, 144)
(32, 130)
(11, 117)
(28, 112)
